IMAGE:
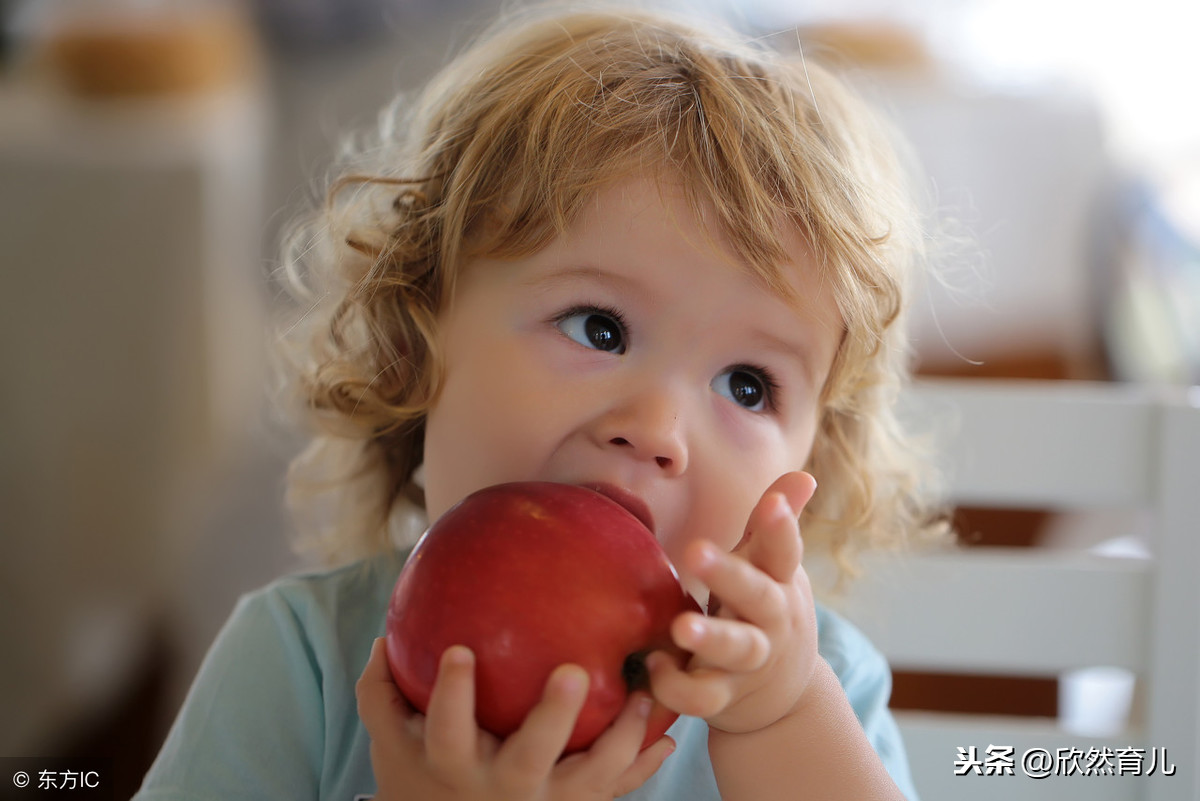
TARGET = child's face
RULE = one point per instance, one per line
(628, 353)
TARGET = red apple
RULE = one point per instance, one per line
(530, 576)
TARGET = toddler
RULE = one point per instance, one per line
(602, 248)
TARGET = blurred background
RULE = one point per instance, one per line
(151, 152)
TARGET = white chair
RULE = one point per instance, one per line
(1046, 611)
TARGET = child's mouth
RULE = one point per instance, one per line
(633, 504)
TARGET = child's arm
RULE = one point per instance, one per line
(779, 722)
(444, 755)
(819, 748)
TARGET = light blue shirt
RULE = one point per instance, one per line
(272, 715)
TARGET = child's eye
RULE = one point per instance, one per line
(748, 387)
(599, 329)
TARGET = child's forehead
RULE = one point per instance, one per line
(657, 199)
(666, 203)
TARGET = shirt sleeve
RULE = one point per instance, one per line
(251, 726)
(867, 680)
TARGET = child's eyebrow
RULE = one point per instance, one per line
(798, 350)
(584, 272)
(765, 340)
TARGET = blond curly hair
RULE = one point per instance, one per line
(497, 156)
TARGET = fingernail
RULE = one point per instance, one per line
(783, 507)
(571, 680)
(458, 656)
(696, 630)
(414, 726)
(644, 704)
(706, 555)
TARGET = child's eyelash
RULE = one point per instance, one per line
(770, 383)
(591, 308)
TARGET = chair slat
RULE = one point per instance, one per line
(1018, 444)
(1004, 610)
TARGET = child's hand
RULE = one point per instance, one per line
(444, 754)
(753, 658)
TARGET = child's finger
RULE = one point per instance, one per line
(773, 542)
(645, 765)
(381, 707)
(798, 487)
(450, 729)
(529, 753)
(775, 547)
(720, 642)
(617, 748)
(745, 590)
(699, 692)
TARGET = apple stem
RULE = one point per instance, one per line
(634, 671)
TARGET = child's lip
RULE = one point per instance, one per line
(623, 497)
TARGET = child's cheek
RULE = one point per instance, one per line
(561, 355)
(743, 431)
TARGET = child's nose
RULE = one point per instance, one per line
(648, 427)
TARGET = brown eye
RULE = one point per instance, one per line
(747, 387)
(594, 329)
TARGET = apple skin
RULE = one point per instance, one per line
(530, 576)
